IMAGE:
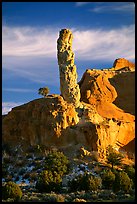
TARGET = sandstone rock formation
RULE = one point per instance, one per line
(68, 75)
(124, 84)
(113, 86)
(102, 115)
(122, 63)
(39, 122)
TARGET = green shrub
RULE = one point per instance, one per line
(49, 181)
(131, 173)
(54, 198)
(94, 183)
(57, 161)
(113, 157)
(79, 183)
(122, 182)
(11, 190)
(43, 91)
(85, 182)
(108, 177)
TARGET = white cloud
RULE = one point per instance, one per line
(114, 7)
(105, 44)
(19, 90)
(82, 3)
(88, 44)
(7, 106)
(32, 52)
(28, 41)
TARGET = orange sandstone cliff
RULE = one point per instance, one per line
(96, 112)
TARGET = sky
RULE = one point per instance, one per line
(102, 32)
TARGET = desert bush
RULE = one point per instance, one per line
(78, 183)
(94, 183)
(43, 91)
(11, 190)
(49, 181)
(122, 182)
(108, 177)
(113, 157)
(131, 172)
(57, 161)
(85, 182)
(53, 197)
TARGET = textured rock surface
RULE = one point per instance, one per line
(67, 69)
(39, 122)
(92, 120)
(122, 63)
(95, 86)
(53, 121)
(113, 86)
(124, 84)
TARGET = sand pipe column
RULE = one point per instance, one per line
(68, 74)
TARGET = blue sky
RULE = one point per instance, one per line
(102, 31)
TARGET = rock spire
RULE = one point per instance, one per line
(68, 74)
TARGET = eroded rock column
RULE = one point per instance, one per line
(68, 74)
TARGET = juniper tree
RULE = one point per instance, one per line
(44, 91)
(113, 157)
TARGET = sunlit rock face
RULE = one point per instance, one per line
(96, 112)
(67, 69)
(40, 121)
(122, 63)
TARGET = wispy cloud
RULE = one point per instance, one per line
(19, 90)
(28, 41)
(34, 68)
(7, 106)
(82, 3)
(35, 42)
(98, 44)
(32, 52)
(114, 7)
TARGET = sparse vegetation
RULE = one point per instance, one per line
(131, 172)
(122, 182)
(85, 182)
(49, 181)
(43, 91)
(53, 177)
(108, 178)
(11, 190)
(57, 161)
(113, 157)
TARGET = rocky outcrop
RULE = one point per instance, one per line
(123, 64)
(124, 84)
(113, 86)
(92, 120)
(39, 122)
(67, 69)
(51, 121)
(95, 86)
